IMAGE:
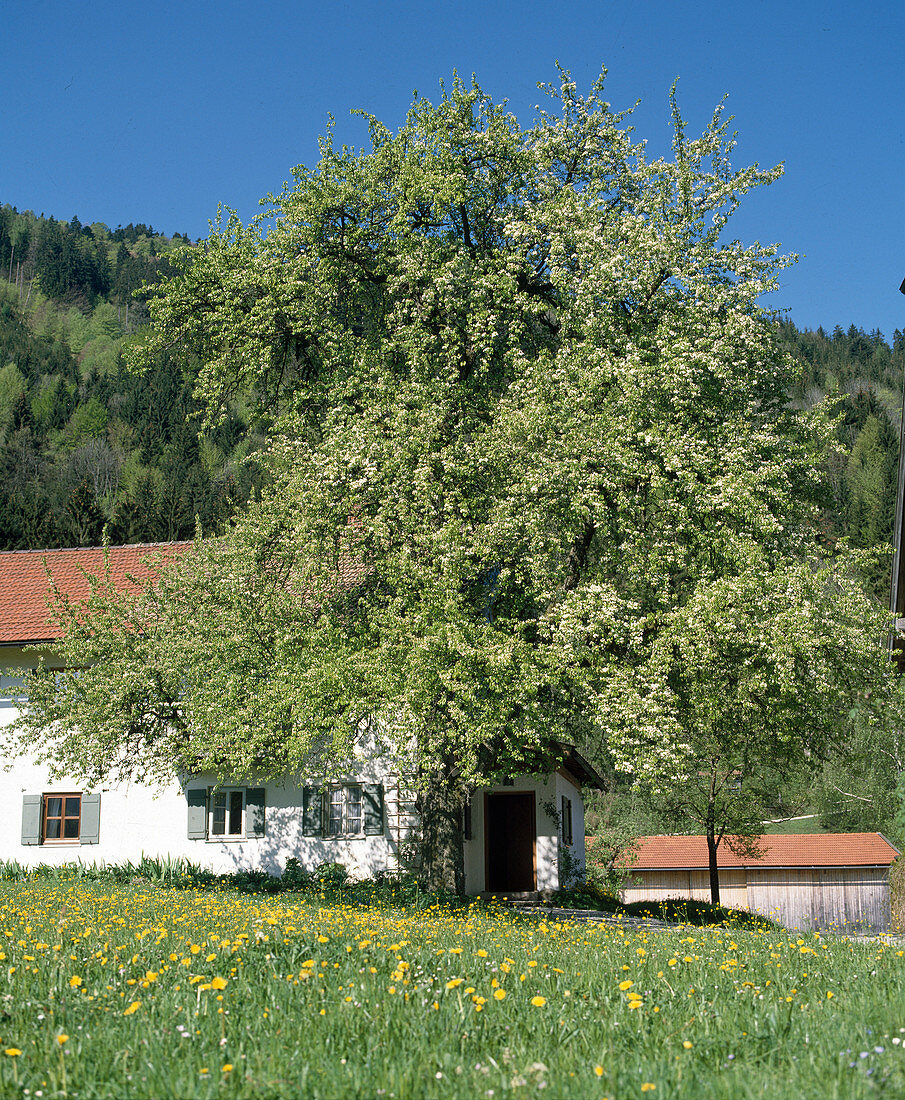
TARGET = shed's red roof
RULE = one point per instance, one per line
(791, 850)
(24, 584)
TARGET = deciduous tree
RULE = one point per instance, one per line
(529, 434)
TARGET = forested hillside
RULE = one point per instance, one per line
(83, 443)
(867, 375)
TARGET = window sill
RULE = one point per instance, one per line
(347, 836)
(60, 844)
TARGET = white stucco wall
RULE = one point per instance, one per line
(140, 819)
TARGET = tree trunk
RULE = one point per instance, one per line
(712, 843)
(442, 853)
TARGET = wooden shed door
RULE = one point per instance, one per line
(509, 840)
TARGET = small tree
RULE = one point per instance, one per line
(758, 677)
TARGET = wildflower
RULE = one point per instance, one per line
(648, 1086)
(133, 1007)
(625, 985)
(598, 1070)
(61, 1039)
(538, 1001)
(687, 1044)
(499, 994)
(218, 983)
(453, 982)
(228, 1068)
(75, 981)
(13, 1052)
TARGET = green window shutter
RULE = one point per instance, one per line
(197, 800)
(312, 812)
(31, 818)
(254, 811)
(372, 797)
(90, 826)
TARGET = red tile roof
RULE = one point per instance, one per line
(25, 586)
(791, 850)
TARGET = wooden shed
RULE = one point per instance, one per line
(828, 881)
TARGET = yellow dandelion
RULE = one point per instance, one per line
(12, 1052)
(61, 1039)
(218, 983)
(598, 1070)
(687, 1044)
(228, 1068)
(133, 1007)
(538, 1001)
(648, 1086)
(626, 985)
(75, 981)
(499, 994)
(453, 982)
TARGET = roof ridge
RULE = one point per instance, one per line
(111, 546)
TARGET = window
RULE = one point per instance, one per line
(353, 809)
(227, 812)
(61, 817)
(344, 811)
(566, 820)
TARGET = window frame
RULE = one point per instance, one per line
(346, 805)
(62, 840)
(227, 793)
(568, 836)
(353, 809)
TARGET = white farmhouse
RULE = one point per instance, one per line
(522, 836)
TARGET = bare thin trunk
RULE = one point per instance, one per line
(712, 843)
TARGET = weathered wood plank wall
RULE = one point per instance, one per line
(845, 899)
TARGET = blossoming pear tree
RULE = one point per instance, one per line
(533, 477)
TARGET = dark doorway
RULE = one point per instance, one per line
(509, 841)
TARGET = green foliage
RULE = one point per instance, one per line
(587, 895)
(84, 444)
(700, 913)
(863, 375)
(534, 477)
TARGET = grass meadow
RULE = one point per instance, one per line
(146, 991)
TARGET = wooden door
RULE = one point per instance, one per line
(510, 842)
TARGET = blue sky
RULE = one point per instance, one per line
(120, 112)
